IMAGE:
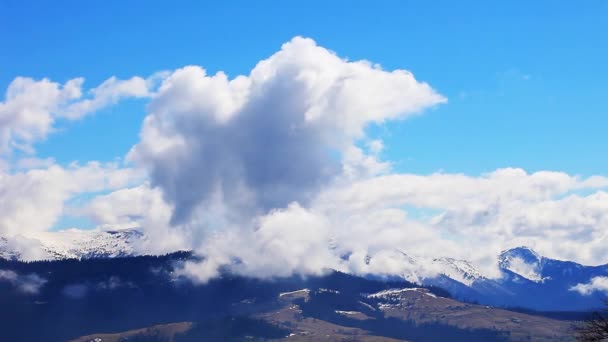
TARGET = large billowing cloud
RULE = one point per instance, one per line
(267, 174)
(260, 141)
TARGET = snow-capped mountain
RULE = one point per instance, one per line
(522, 261)
(458, 270)
(528, 279)
(78, 244)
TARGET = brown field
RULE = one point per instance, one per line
(418, 305)
(167, 331)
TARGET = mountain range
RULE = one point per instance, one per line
(72, 244)
(141, 298)
(528, 280)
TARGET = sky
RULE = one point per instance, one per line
(524, 79)
(491, 129)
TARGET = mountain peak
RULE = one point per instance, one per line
(523, 261)
(522, 252)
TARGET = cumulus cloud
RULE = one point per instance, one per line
(141, 207)
(261, 141)
(599, 284)
(287, 241)
(125, 208)
(378, 226)
(27, 113)
(33, 200)
(107, 93)
(473, 217)
(31, 107)
(387, 224)
(34, 163)
(28, 284)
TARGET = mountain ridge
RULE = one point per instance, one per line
(528, 280)
(72, 244)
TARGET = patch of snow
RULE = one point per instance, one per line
(294, 292)
(387, 306)
(347, 312)
(367, 305)
(430, 294)
(390, 293)
(321, 290)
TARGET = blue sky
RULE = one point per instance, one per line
(525, 80)
(525, 84)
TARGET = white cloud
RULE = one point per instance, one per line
(470, 218)
(140, 207)
(599, 284)
(125, 208)
(285, 242)
(527, 270)
(31, 107)
(27, 113)
(474, 217)
(26, 248)
(375, 146)
(33, 191)
(107, 93)
(33, 200)
(232, 155)
(34, 163)
(264, 140)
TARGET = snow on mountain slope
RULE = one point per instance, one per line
(79, 244)
(5, 251)
(522, 261)
(460, 270)
(417, 269)
(392, 293)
